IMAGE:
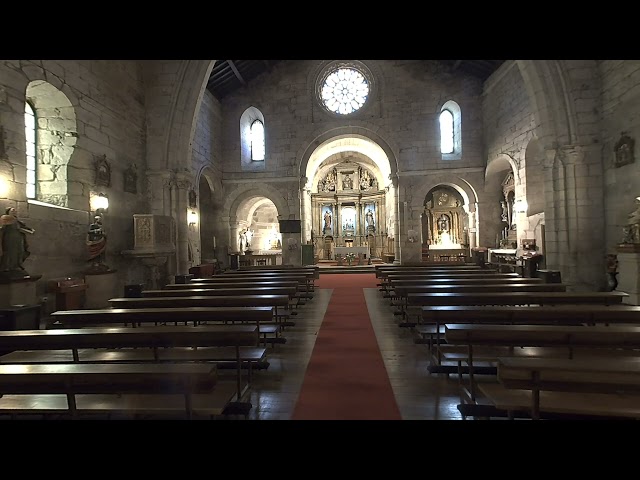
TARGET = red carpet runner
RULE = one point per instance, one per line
(346, 378)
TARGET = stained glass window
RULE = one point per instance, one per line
(344, 91)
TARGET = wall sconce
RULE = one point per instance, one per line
(99, 203)
(293, 244)
(520, 206)
(4, 187)
(412, 236)
(193, 218)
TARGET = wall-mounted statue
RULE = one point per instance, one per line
(131, 179)
(193, 198)
(96, 243)
(624, 151)
(103, 172)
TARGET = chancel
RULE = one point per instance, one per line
(473, 181)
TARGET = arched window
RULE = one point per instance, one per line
(30, 122)
(446, 131)
(257, 141)
(450, 120)
(253, 143)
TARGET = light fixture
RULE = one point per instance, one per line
(99, 202)
(193, 218)
(4, 187)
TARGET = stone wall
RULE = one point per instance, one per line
(102, 118)
(620, 115)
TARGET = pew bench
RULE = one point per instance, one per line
(260, 316)
(156, 342)
(130, 389)
(434, 318)
(271, 333)
(580, 387)
(404, 293)
(488, 343)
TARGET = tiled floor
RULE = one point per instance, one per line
(419, 394)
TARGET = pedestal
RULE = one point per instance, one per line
(18, 291)
(101, 287)
(411, 253)
(629, 268)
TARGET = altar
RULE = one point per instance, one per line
(342, 251)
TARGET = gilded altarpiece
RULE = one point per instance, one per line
(445, 224)
(347, 209)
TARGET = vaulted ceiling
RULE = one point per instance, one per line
(229, 75)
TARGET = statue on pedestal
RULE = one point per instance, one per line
(96, 243)
(13, 241)
(631, 231)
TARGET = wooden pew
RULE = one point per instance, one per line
(278, 268)
(386, 276)
(106, 388)
(517, 298)
(305, 282)
(309, 275)
(156, 344)
(431, 328)
(490, 342)
(260, 316)
(297, 299)
(271, 332)
(137, 316)
(406, 292)
(591, 388)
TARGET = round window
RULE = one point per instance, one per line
(344, 91)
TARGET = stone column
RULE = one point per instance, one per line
(180, 194)
(337, 230)
(574, 215)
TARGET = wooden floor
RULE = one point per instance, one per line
(419, 394)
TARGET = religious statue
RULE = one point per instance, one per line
(96, 243)
(242, 238)
(15, 248)
(248, 235)
(505, 213)
(347, 182)
(327, 221)
(443, 223)
(365, 181)
(369, 218)
(631, 232)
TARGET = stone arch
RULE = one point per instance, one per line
(178, 102)
(237, 199)
(362, 138)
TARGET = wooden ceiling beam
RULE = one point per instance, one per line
(235, 70)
